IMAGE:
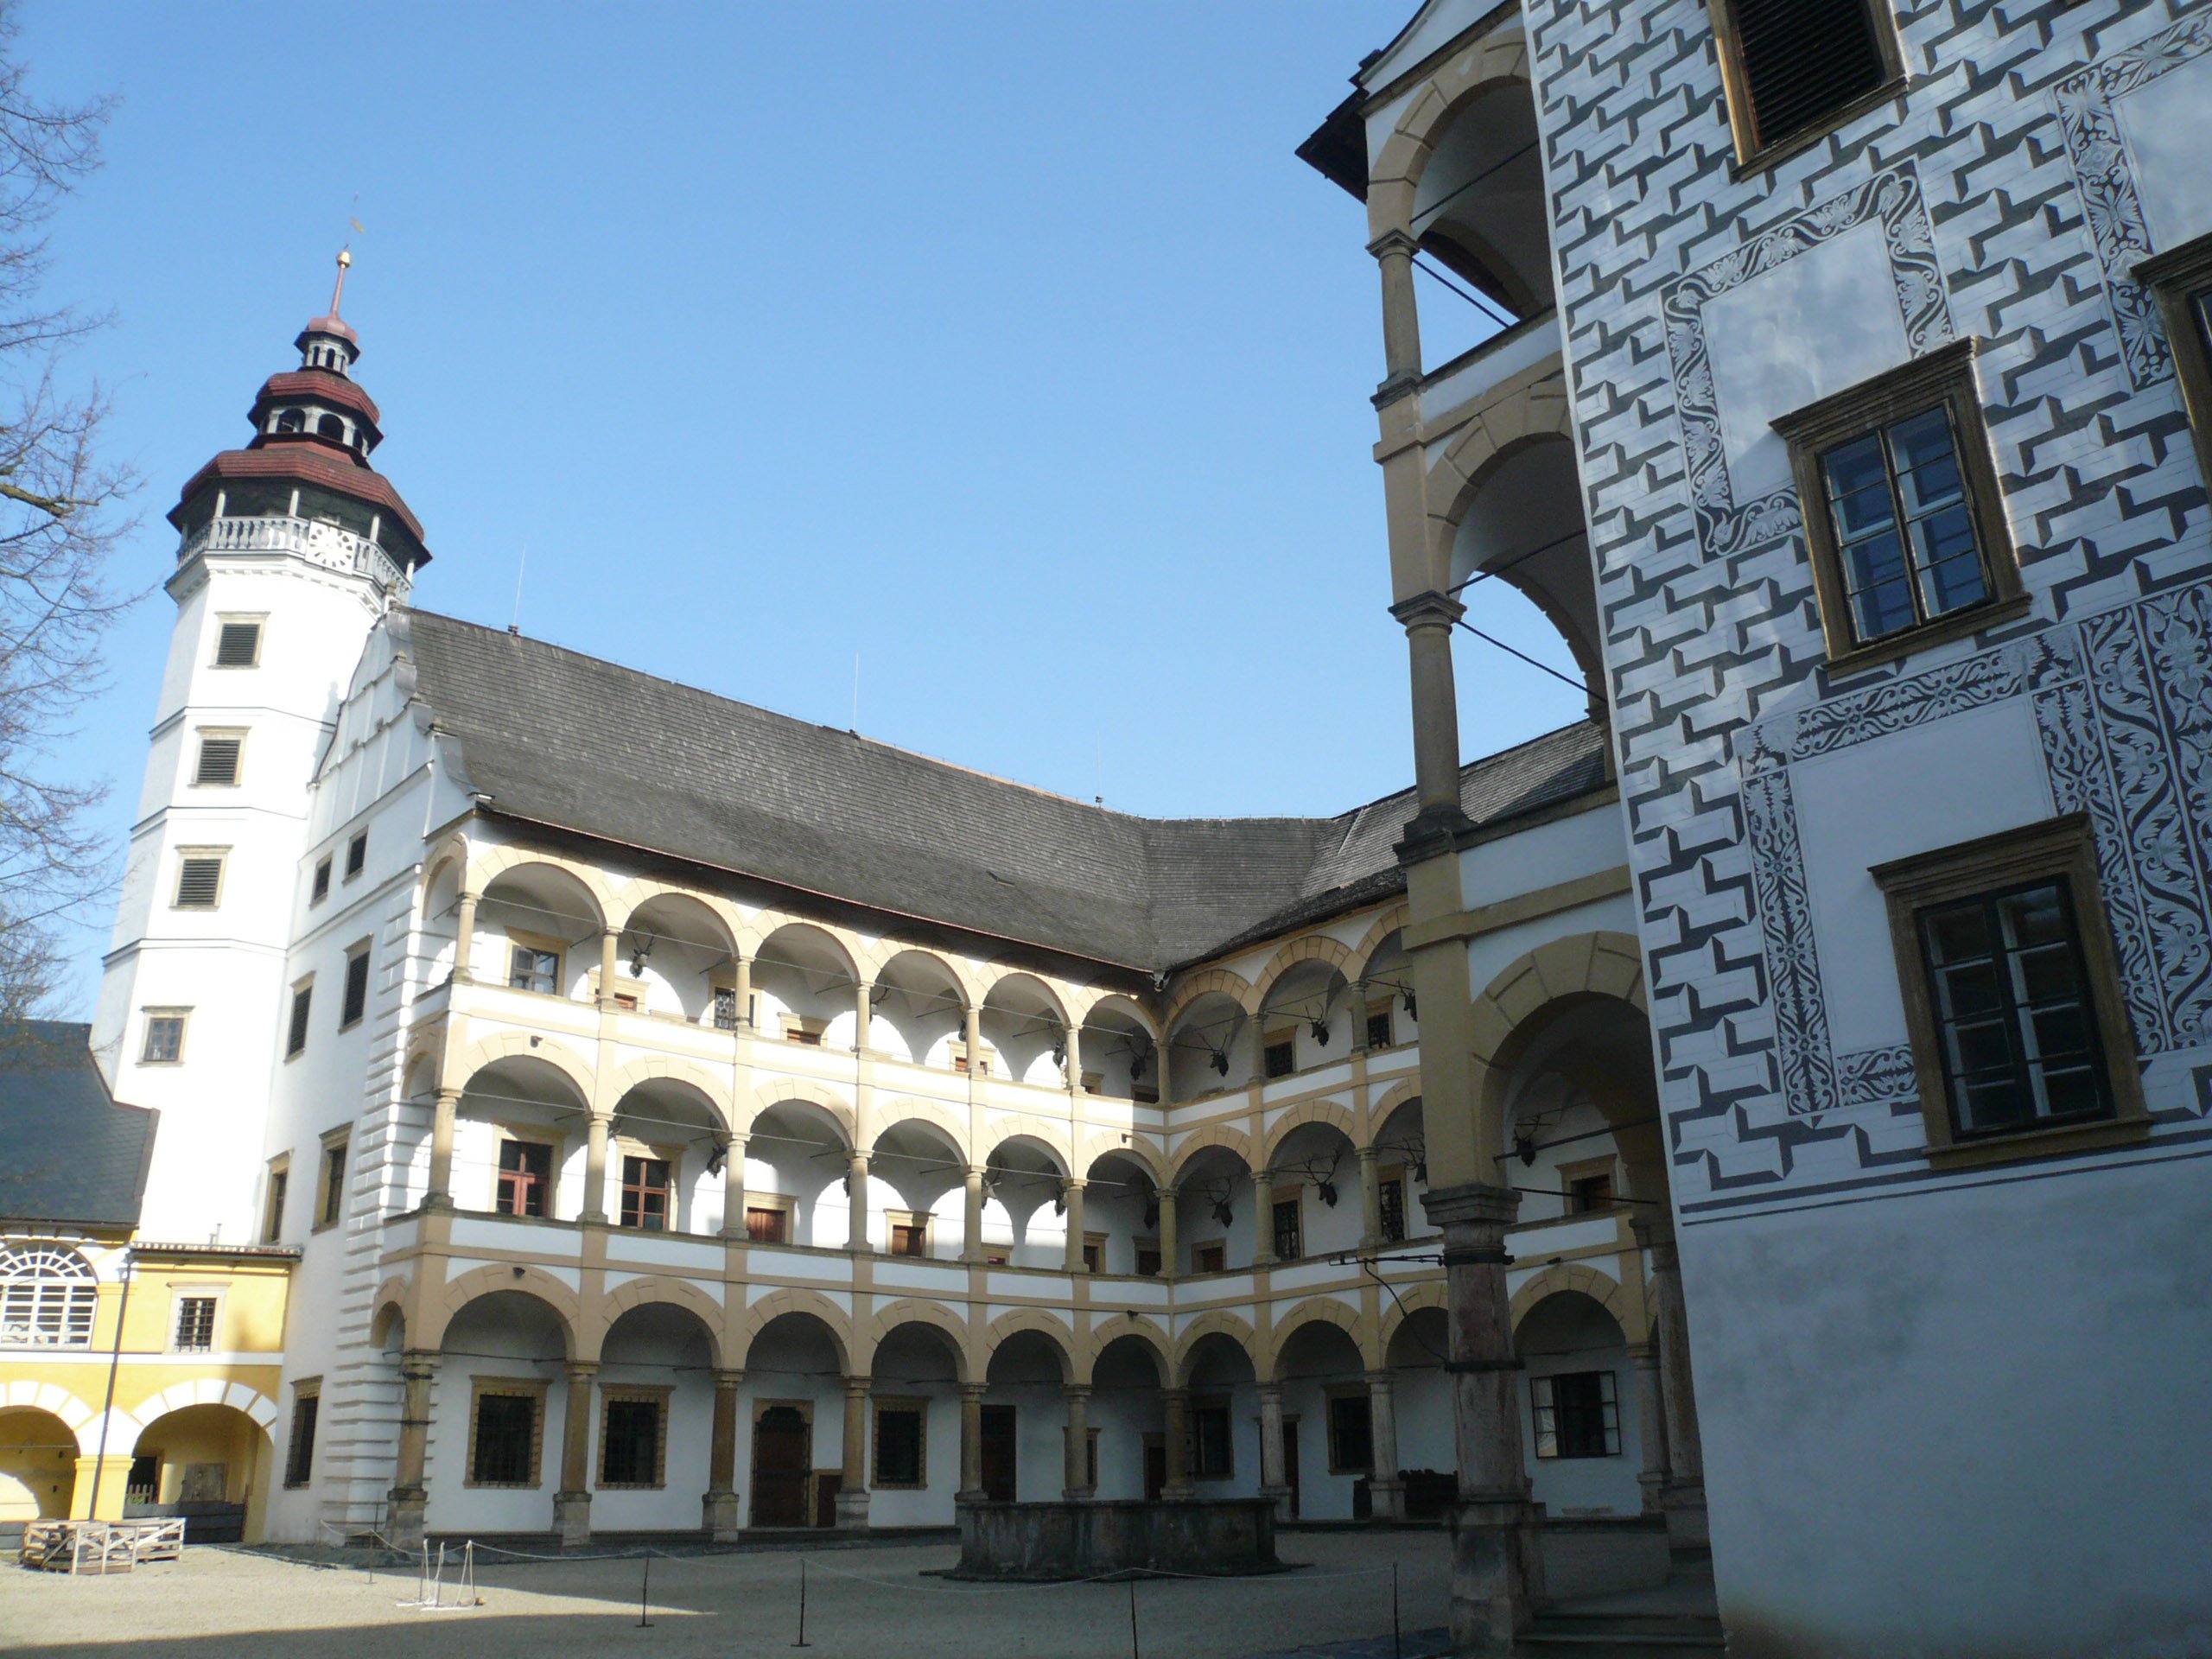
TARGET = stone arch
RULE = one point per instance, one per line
(1084, 1003)
(767, 924)
(661, 1067)
(657, 1287)
(1413, 1300)
(452, 850)
(206, 1391)
(489, 863)
(778, 1303)
(1378, 1111)
(1573, 1276)
(1051, 1135)
(1108, 1141)
(22, 1394)
(1395, 175)
(1146, 1331)
(640, 890)
(914, 1311)
(1207, 1325)
(563, 1302)
(389, 1302)
(1601, 964)
(1217, 1134)
(1314, 947)
(1320, 1310)
(1056, 991)
(915, 1108)
(508, 1044)
(803, 1088)
(1392, 920)
(881, 956)
(1311, 1111)
(1060, 1335)
(1213, 979)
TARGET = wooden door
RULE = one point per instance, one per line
(999, 1454)
(827, 1483)
(781, 1458)
(1290, 1461)
(1155, 1467)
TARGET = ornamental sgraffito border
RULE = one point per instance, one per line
(2110, 206)
(1725, 526)
(2122, 703)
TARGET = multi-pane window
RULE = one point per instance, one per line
(2011, 1006)
(725, 1008)
(633, 1434)
(164, 1044)
(1289, 1229)
(356, 1001)
(1351, 1434)
(299, 1453)
(48, 1297)
(503, 1445)
(529, 969)
(195, 1324)
(526, 1177)
(296, 1037)
(1380, 1034)
(1279, 1057)
(217, 766)
(237, 645)
(319, 889)
(1391, 1207)
(1212, 1452)
(1794, 65)
(1577, 1414)
(1904, 527)
(357, 854)
(199, 878)
(333, 1194)
(898, 1443)
(644, 1193)
(766, 1224)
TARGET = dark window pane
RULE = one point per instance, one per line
(898, 1447)
(629, 1454)
(1352, 1442)
(507, 1426)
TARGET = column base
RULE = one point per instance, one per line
(719, 1518)
(852, 1510)
(971, 1495)
(1077, 1494)
(1279, 1496)
(1688, 1533)
(1176, 1493)
(572, 1519)
(1655, 1491)
(406, 1513)
(440, 1202)
(104, 1478)
(1388, 1500)
(1497, 1576)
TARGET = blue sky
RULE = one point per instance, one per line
(1006, 347)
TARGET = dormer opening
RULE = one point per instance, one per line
(291, 420)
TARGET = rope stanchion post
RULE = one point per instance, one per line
(646, 1594)
(1134, 1651)
(802, 1642)
(1397, 1649)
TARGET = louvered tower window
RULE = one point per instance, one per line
(199, 881)
(238, 645)
(1798, 61)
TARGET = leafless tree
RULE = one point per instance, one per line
(59, 523)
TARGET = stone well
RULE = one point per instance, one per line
(1047, 1541)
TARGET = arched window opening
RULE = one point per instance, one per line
(47, 1294)
(329, 426)
(291, 420)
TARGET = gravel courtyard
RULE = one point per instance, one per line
(863, 1604)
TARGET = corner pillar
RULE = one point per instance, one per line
(595, 1168)
(1394, 253)
(1650, 1426)
(572, 1503)
(1263, 1218)
(610, 944)
(1428, 618)
(1370, 1201)
(1170, 1263)
(410, 1496)
(971, 1214)
(444, 1115)
(1686, 1531)
(464, 940)
(734, 1188)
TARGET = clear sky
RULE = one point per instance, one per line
(1006, 347)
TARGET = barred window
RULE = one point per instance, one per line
(505, 1449)
(47, 1296)
(320, 889)
(1289, 1229)
(631, 1437)
(356, 854)
(1392, 1194)
(299, 1455)
(195, 1323)
(725, 1008)
(898, 1443)
(1212, 1455)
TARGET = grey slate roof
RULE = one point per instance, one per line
(554, 737)
(68, 1153)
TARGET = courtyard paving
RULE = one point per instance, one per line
(863, 1604)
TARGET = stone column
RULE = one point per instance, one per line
(1687, 1532)
(610, 943)
(852, 1493)
(595, 1168)
(1263, 1218)
(734, 1188)
(442, 1122)
(1386, 1483)
(1496, 1572)
(971, 1217)
(856, 1202)
(863, 1014)
(1258, 1044)
(1175, 1405)
(1072, 1036)
(1370, 1201)
(1074, 1256)
(1275, 1483)
(741, 989)
(1076, 1487)
(719, 1516)
(971, 1443)
(1428, 620)
(410, 1495)
(464, 938)
(1169, 1265)
(1394, 253)
(971, 1038)
(1650, 1426)
(572, 1503)
(1161, 1066)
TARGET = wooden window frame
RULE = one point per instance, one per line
(528, 1135)
(1383, 1009)
(327, 1216)
(531, 1387)
(1199, 1249)
(1588, 1169)
(1212, 1402)
(318, 882)
(1144, 1247)
(658, 1398)
(1332, 1393)
(2062, 848)
(1751, 155)
(920, 1406)
(179, 1295)
(1296, 1203)
(275, 1192)
(541, 944)
(348, 1017)
(2172, 276)
(298, 1452)
(806, 1030)
(1093, 1241)
(1945, 377)
(918, 1221)
(782, 1204)
(257, 620)
(624, 1148)
(221, 734)
(221, 855)
(625, 1001)
(998, 1255)
(147, 1017)
(1547, 1385)
(299, 1019)
(1286, 1038)
(357, 855)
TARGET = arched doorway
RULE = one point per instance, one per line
(204, 1463)
(793, 1370)
(38, 1471)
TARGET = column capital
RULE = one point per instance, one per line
(1269, 1393)
(856, 1386)
(1075, 1390)
(1394, 242)
(447, 1092)
(416, 1364)
(728, 1379)
(973, 1390)
(1263, 1177)
(1428, 610)
(1382, 1379)
(580, 1371)
(1074, 1184)
(1168, 1191)
(1474, 1204)
(1365, 1154)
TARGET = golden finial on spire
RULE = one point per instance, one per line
(345, 259)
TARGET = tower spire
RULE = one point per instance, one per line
(338, 293)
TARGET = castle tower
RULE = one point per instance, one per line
(290, 551)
